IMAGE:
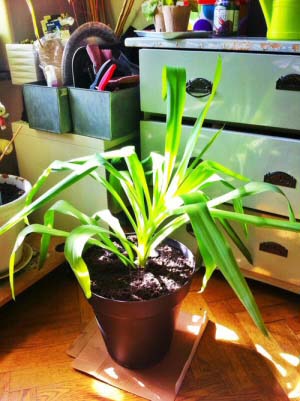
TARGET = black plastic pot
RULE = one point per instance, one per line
(138, 334)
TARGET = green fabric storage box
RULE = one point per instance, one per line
(103, 114)
(47, 108)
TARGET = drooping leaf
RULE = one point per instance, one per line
(217, 246)
(33, 228)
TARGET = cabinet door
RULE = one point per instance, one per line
(258, 157)
(37, 149)
(247, 93)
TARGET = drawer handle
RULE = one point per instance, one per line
(274, 247)
(199, 87)
(281, 178)
(289, 82)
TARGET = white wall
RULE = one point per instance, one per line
(135, 19)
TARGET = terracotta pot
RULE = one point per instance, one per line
(8, 210)
(138, 334)
(176, 18)
(159, 21)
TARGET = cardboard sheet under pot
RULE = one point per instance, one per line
(8, 210)
(138, 334)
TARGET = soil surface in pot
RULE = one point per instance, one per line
(9, 193)
(163, 274)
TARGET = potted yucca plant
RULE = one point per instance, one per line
(159, 195)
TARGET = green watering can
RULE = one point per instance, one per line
(282, 18)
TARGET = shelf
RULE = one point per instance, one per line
(30, 274)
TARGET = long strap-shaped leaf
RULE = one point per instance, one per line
(236, 239)
(258, 221)
(74, 247)
(205, 149)
(252, 188)
(206, 229)
(194, 135)
(33, 228)
(173, 84)
(48, 195)
(107, 217)
(137, 173)
(202, 172)
(67, 209)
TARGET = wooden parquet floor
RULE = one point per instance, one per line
(234, 361)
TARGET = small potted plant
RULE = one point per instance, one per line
(176, 14)
(169, 15)
(159, 195)
(13, 191)
(152, 11)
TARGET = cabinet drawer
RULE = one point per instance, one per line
(247, 92)
(275, 256)
(258, 157)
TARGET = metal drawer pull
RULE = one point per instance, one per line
(274, 247)
(199, 87)
(281, 178)
(289, 82)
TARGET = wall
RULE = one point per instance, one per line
(136, 19)
(19, 24)
(11, 97)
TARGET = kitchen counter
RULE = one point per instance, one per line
(242, 44)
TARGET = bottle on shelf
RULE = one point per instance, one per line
(226, 18)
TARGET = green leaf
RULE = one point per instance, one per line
(149, 8)
(198, 159)
(196, 131)
(33, 228)
(236, 239)
(252, 188)
(107, 217)
(67, 209)
(51, 193)
(74, 248)
(217, 246)
(174, 79)
(258, 221)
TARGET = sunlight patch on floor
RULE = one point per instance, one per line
(291, 359)
(295, 393)
(141, 384)
(223, 333)
(268, 356)
(110, 393)
(111, 372)
(193, 329)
